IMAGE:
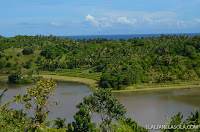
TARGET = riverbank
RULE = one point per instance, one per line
(162, 86)
(93, 85)
(3, 78)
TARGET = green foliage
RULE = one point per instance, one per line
(27, 64)
(2, 63)
(18, 54)
(10, 119)
(122, 63)
(127, 125)
(106, 105)
(117, 79)
(38, 99)
(13, 120)
(27, 51)
(25, 81)
(83, 122)
(13, 78)
(40, 95)
(190, 50)
(194, 119)
(2, 94)
(189, 120)
(1, 55)
(59, 123)
(8, 64)
(18, 78)
(51, 52)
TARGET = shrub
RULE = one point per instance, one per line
(27, 65)
(25, 81)
(1, 54)
(8, 64)
(13, 78)
(2, 63)
(18, 54)
(27, 51)
(38, 99)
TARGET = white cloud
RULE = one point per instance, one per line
(91, 19)
(104, 22)
(181, 24)
(148, 20)
(197, 20)
(140, 14)
(107, 25)
(140, 20)
(165, 20)
(28, 23)
(98, 22)
(56, 24)
(124, 20)
(159, 15)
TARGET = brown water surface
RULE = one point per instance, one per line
(146, 108)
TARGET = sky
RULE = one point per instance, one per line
(98, 17)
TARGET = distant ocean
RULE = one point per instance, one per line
(126, 37)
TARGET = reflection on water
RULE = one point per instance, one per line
(153, 108)
(146, 108)
(68, 95)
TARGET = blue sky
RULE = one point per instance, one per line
(98, 17)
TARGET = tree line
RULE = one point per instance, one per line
(120, 62)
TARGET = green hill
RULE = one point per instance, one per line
(114, 64)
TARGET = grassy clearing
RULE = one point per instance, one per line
(82, 73)
(92, 84)
(20, 60)
(3, 78)
(89, 82)
(162, 86)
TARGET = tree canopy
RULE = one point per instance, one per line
(119, 63)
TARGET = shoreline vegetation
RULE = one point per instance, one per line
(137, 64)
(92, 84)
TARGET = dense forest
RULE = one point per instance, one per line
(113, 63)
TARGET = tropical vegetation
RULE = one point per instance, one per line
(114, 64)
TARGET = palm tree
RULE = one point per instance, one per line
(194, 119)
(1, 95)
(59, 123)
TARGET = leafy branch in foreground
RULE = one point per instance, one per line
(109, 109)
(178, 120)
(2, 94)
(38, 99)
(106, 105)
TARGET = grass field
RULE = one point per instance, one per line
(82, 73)
(89, 82)
(162, 86)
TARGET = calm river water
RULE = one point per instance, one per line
(148, 108)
